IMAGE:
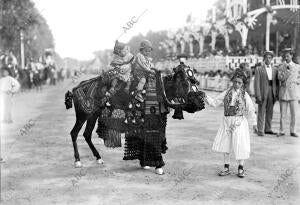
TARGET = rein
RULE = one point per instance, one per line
(169, 104)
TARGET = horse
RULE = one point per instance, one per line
(124, 114)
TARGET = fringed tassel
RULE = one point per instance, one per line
(68, 99)
(133, 145)
(152, 150)
(178, 114)
(113, 139)
(102, 130)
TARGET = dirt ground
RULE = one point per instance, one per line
(39, 169)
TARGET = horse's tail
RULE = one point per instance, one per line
(68, 99)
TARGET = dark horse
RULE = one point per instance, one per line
(143, 123)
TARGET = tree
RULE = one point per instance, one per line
(17, 15)
(155, 38)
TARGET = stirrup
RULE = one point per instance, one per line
(108, 94)
(224, 172)
(105, 101)
(139, 97)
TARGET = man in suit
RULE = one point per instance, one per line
(289, 77)
(266, 93)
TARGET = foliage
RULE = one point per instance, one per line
(155, 38)
(17, 15)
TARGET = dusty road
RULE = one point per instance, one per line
(39, 163)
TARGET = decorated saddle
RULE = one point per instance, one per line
(88, 94)
(126, 114)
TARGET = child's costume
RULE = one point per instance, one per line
(120, 66)
(142, 67)
(234, 130)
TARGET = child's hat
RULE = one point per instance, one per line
(146, 44)
(119, 47)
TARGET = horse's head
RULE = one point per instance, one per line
(181, 91)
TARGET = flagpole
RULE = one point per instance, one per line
(22, 49)
(268, 22)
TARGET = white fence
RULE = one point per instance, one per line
(218, 84)
(215, 63)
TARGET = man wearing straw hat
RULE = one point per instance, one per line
(266, 93)
(289, 77)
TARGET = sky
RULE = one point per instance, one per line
(81, 27)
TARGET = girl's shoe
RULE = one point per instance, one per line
(241, 173)
(146, 167)
(224, 172)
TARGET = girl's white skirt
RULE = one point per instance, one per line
(233, 134)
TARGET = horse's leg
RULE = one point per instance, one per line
(80, 119)
(88, 136)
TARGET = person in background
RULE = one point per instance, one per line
(63, 74)
(245, 68)
(217, 80)
(225, 81)
(11, 59)
(8, 86)
(251, 84)
(289, 77)
(266, 94)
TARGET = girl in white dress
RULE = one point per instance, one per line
(233, 133)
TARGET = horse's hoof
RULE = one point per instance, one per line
(146, 167)
(159, 171)
(78, 164)
(100, 161)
